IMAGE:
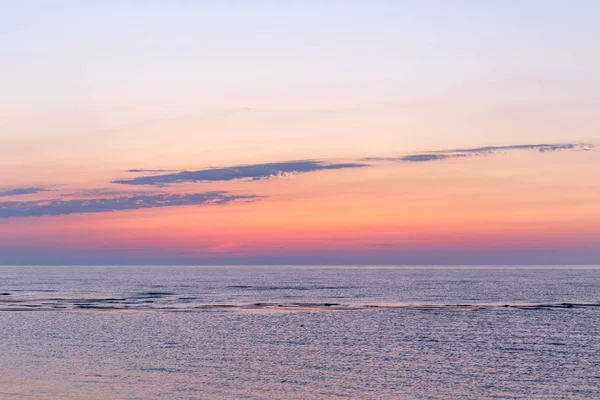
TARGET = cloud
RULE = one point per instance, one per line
(21, 191)
(40, 208)
(539, 147)
(427, 157)
(479, 151)
(106, 192)
(252, 172)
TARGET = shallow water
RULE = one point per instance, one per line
(299, 332)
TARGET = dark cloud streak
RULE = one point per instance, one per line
(106, 192)
(251, 172)
(9, 209)
(22, 191)
(480, 151)
(539, 147)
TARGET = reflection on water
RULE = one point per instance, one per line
(373, 333)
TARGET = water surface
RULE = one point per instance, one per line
(299, 333)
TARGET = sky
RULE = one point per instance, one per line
(299, 132)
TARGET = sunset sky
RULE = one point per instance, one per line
(299, 132)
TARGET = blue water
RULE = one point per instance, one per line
(299, 333)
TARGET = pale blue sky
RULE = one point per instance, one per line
(137, 58)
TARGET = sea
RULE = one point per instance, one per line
(355, 332)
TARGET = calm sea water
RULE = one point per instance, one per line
(299, 333)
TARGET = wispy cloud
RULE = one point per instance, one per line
(252, 172)
(21, 191)
(479, 151)
(10, 209)
(106, 192)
